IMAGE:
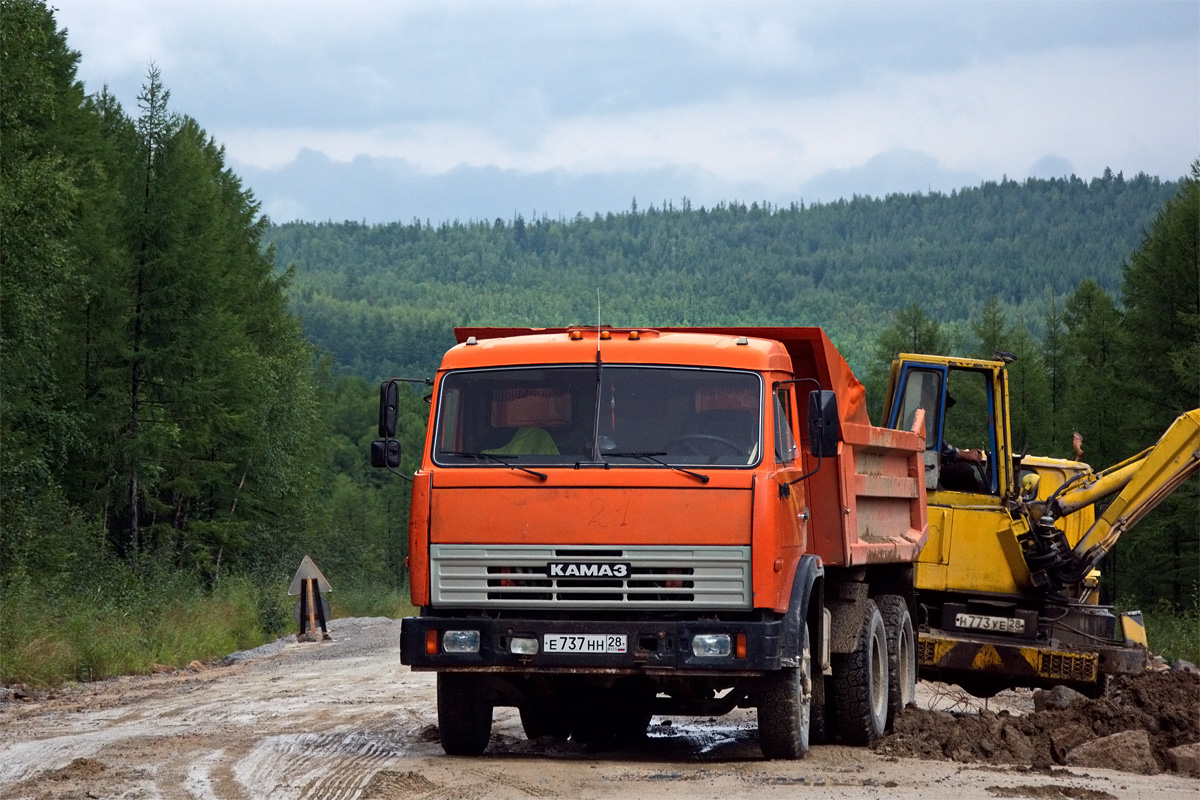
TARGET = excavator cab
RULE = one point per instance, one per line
(1007, 581)
(966, 412)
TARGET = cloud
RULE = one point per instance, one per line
(722, 100)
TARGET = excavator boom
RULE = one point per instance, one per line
(1170, 462)
(1140, 484)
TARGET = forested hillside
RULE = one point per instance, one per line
(382, 298)
(170, 444)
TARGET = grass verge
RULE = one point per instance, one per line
(368, 601)
(1174, 633)
(123, 626)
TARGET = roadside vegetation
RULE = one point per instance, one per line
(1174, 633)
(188, 394)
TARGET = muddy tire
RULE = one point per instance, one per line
(860, 682)
(902, 654)
(785, 708)
(542, 719)
(464, 714)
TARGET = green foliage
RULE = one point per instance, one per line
(172, 445)
(1160, 352)
(1171, 630)
(371, 602)
(109, 621)
(912, 332)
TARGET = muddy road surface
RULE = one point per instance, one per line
(343, 719)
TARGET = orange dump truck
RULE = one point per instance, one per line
(608, 524)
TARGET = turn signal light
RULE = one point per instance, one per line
(740, 646)
(431, 643)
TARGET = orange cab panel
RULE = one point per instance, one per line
(591, 515)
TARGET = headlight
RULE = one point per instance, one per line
(460, 642)
(712, 645)
(523, 646)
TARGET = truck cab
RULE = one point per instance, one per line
(612, 523)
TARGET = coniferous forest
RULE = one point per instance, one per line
(187, 392)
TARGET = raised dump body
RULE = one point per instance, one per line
(613, 523)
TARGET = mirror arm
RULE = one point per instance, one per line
(817, 468)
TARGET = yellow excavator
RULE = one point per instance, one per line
(1007, 585)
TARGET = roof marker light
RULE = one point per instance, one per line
(634, 336)
(575, 336)
(471, 340)
(743, 340)
(605, 335)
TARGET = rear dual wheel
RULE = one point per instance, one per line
(860, 681)
(902, 654)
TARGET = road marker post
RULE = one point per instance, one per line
(311, 608)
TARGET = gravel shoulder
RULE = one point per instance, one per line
(343, 719)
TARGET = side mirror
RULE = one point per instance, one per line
(823, 427)
(389, 408)
(385, 453)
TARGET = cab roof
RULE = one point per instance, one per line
(805, 352)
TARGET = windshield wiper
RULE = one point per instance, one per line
(499, 459)
(653, 458)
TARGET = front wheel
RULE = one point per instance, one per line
(860, 682)
(784, 708)
(464, 714)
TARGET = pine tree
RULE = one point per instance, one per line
(912, 332)
(41, 118)
(1161, 351)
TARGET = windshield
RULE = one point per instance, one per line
(646, 416)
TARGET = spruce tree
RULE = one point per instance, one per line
(1161, 354)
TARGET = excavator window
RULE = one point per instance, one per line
(968, 426)
(922, 389)
(958, 420)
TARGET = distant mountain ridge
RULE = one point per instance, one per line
(381, 299)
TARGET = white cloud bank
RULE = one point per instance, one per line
(470, 110)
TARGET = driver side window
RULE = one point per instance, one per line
(785, 444)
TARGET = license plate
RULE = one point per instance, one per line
(584, 643)
(997, 624)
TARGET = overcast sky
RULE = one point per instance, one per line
(385, 110)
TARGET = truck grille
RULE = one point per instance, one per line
(518, 576)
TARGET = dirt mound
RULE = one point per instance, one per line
(1161, 709)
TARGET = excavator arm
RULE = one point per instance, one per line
(1139, 483)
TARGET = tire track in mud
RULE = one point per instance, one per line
(312, 766)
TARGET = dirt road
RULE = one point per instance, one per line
(343, 719)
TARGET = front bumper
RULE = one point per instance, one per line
(652, 648)
(951, 656)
